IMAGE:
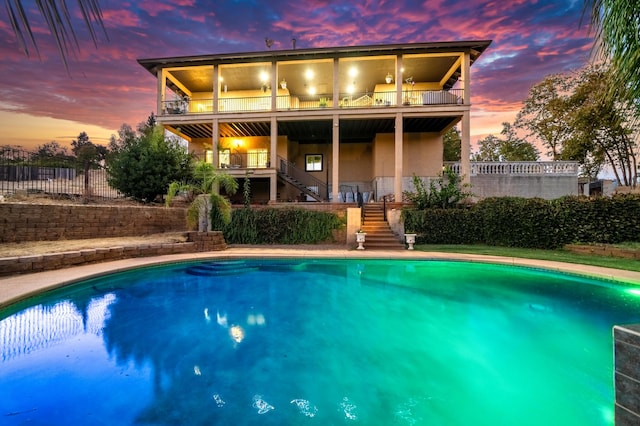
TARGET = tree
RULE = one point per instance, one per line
(51, 154)
(579, 120)
(488, 149)
(544, 114)
(512, 148)
(617, 25)
(58, 19)
(87, 155)
(601, 128)
(143, 165)
(204, 186)
(452, 144)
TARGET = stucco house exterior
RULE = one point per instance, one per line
(321, 123)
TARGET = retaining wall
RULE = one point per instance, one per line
(52, 222)
(196, 242)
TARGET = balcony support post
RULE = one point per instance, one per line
(335, 159)
(273, 178)
(216, 91)
(398, 151)
(215, 140)
(465, 148)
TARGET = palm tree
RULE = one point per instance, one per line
(617, 25)
(58, 19)
(206, 199)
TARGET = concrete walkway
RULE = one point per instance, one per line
(18, 287)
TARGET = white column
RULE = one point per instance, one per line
(465, 148)
(216, 90)
(399, 79)
(162, 79)
(335, 159)
(397, 178)
(273, 178)
(465, 77)
(215, 138)
(274, 86)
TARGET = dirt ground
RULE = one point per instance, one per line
(43, 247)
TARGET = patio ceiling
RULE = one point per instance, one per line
(319, 131)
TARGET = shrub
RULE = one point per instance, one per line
(280, 226)
(142, 165)
(531, 223)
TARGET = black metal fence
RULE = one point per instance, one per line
(24, 172)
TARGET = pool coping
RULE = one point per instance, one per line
(19, 287)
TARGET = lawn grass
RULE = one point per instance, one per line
(556, 255)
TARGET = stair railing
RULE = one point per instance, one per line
(307, 180)
(384, 207)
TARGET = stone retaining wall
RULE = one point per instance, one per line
(196, 242)
(604, 250)
(52, 222)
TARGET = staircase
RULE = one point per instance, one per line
(379, 233)
(303, 181)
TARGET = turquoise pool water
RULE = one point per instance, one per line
(275, 342)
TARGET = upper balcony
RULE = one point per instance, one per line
(353, 77)
(238, 102)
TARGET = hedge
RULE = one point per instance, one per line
(280, 226)
(530, 222)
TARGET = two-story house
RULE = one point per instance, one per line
(321, 123)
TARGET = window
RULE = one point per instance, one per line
(313, 162)
(223, 158)
(257, 158)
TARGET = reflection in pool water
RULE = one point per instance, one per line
(324, 341)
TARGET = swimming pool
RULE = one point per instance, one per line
(326, 341)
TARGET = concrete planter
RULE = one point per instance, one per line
(360, 238)
(411, 240)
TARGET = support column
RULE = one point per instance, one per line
(465, 78)
(215, 138)
(398, 159)
(162, 85)
(399, 80)
(465, 148)
(335, 159)
(216, 89)
(273, 151)
(274, 86)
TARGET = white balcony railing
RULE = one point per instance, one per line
(567, 168)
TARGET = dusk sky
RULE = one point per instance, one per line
(105, 87)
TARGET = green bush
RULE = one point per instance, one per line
(280, 226)
(530, 223)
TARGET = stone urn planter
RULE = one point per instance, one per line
(360, 237)
(411, 240)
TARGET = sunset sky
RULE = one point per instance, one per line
(40, 101)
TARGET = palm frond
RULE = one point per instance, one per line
(59, 21)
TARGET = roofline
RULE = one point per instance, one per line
(474, 46)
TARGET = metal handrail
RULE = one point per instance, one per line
(310, 182)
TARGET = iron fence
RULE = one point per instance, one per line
(26, 173)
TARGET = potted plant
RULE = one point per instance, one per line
(323, 102)
(360, 237)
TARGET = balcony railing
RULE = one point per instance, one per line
(307, 102)
(520, 168)
(245, 160)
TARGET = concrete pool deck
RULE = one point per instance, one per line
(19, 287)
